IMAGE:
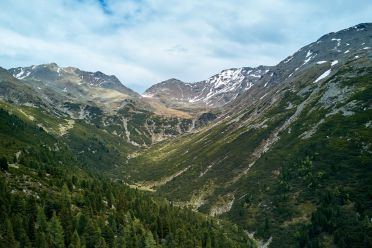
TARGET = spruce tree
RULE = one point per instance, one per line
(9, 239)
(3, 164)
(75, 240)
(148, 240)
(55, 231)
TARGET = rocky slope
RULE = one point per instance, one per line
(216, 91)
(299, 136)
(288, 157)
(60, 76)
(101, 122)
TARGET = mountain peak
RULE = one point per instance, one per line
(53, 73)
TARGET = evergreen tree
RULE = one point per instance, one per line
(3, 164)
(9, 239)
(55, 231)
(148, 240)
(75, 240)
(92, 234)
(208, 242)
(121, 238)
(20, 232)
(41, 239)
(41, 220)
(108, 235)
(101, 243)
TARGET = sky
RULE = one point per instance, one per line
(144, 42)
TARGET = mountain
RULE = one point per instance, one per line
(62, 132)
(274, 156)
(103, 125)
(290, 159)
(57, 85)
(214, 92)
(50, 198)
(52, 73)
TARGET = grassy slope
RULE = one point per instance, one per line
(46, 163)
(339, 151)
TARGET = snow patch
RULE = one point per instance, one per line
(249, 86)
(22, 74)
(263, 96)
(338, 43)
(147, 95)
(288, 59)
(307, 60)
(324, 75)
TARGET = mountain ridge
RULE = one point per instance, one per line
(213, 92)
(274, 151)
(283, 152)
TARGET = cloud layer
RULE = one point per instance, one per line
(147, 41)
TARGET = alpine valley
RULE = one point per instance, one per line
(267, 156)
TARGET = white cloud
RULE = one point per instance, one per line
(146, 41)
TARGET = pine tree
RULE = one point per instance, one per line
(20, 232)
(101, 243)
(266, 225)
(108, 235)
(31, 211)
(3, 164)
(148, 240)
(55, 231)
(121, 238)
(208, 242)
(92, 234)
(41, 239)
(9, 239)
(41, 221)
(75, 240)
(82, 223)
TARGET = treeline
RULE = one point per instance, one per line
(96, 212)
(48, 198)
(340, 216)
(337, 216)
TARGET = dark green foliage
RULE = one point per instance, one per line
(135, 219)
(3, 164)
(49, 200)
(336, 215)
(55, 230)
(323, 149)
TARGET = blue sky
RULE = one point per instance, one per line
(143, 42)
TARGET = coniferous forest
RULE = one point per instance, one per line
(48, 198)
(215, 124)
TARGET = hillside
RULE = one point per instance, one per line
(100, 124)
(290, 159)
(275, 156)
(51, 198)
